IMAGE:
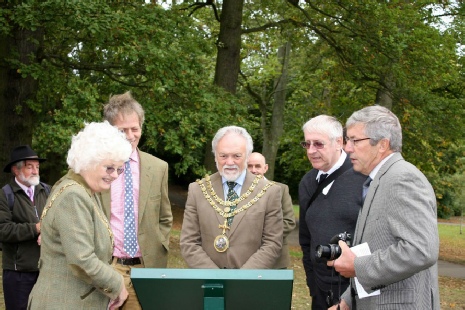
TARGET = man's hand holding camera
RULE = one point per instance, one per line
(344, 264)
(338, 250)
(341, 306)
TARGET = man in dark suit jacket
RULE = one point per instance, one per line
(152, 208)
(245, 231)
(398, 221)
(326, 210)
(258, 166)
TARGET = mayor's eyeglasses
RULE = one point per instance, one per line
(110, 170)
(316, 144)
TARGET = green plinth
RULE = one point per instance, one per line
(213, 289)
(213, 296)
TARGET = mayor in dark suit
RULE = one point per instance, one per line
(398, 221)
(233, 219)
(329, 199)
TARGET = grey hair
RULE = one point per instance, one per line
(233, 129)
(380, 123)
(20, 164)
(324, 124)
(124, 104)
(96, 143)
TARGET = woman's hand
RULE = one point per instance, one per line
(118, 302)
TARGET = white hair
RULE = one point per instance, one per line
(237, 130)
(325, 125)
(96, 143)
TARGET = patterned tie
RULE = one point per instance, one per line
(322, 177)
(130, 240)
(366, 185)
(232, 195)
(30, 193)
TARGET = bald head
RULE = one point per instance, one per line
(257, 164)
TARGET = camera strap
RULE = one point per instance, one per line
(333, 176)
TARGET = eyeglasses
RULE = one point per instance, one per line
(354, 141)
(110, 170)
(316, 144)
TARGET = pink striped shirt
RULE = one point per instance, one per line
(117, 206)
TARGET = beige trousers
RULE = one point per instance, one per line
(132, 303)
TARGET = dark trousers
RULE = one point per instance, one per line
(320, 299)
(17, 286)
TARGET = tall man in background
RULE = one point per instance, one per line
(398, 221)
(137, 205)
(258, 166)
(329, 198)
(21, 203)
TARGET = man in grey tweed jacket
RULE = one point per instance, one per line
(398, 221)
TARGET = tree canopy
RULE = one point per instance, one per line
(268, 66)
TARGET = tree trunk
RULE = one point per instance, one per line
(16, 127)
(384, 93)
(229, 45)
(228, 57)
(272, 133)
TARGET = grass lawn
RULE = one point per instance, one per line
(452, 245)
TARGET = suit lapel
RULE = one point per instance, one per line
(106, 203)
(217, 185)
(367, 205)
(365, 211)
(145, 173)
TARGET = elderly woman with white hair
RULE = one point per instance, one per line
(76, 239)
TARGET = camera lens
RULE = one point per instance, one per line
(323, 251)
(330, 252)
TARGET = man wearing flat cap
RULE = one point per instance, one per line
(21, 203)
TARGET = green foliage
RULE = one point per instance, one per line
(94, 49)
(457, 192)
(444, 191)
(343, 64)
(342, 54)
(185, 134)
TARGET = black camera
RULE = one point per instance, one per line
(333, 250)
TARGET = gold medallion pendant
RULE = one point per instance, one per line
(221, 243)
